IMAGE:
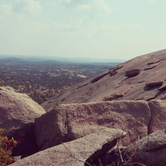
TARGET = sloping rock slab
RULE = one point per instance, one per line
(150, 150)
(150, 74)
(71, 121)
(83, 151)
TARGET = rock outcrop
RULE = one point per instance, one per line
(142, 78)
(68, 122)
(81, 152)
(150, 150)
(89, 118)
(18, 113)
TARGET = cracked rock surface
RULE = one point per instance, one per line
(81, 152)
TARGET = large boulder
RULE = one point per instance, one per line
(81, 152)
(68, 122)
(17, 109)
(149, 151)
(142, 78)
(18, 112)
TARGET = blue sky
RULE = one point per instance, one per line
(109, 29)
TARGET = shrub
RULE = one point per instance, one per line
(1, 82)
(6, 147)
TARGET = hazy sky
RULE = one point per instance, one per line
(114, 29)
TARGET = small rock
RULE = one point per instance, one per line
(132, 73)
(154, 83)
(118, 93)
(155, 61)
(163, 87)
(99, 77)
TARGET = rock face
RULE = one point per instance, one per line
(150, 150)
(81, 152)
(18, 113)
(71, 121)
(142, 78)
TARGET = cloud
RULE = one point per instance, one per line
(87, 4)
(109, 28)
(5, 9)
(20, 7)
(152, 0)
(63, 29)
(100, 5)
(27, 6)
(76, 3)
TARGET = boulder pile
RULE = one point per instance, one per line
(117, 118)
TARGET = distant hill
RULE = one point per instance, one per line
(58, 59)
(11, 59)
(86, 60)
(41, 80)
(33, 59)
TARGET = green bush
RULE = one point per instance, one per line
(6, 147)
(1, 82)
